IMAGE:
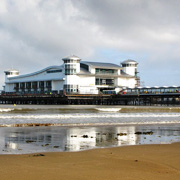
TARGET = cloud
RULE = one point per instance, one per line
(38, 33)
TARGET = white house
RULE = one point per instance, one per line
(75, 76)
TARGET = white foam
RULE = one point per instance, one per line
(88, 115)
(108, 109)
(6, 109)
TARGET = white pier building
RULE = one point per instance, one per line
(74, 76)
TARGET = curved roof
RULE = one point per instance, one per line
(71, 57)
(37, 72)
(101, 65)
(129, 61)
(11, 70)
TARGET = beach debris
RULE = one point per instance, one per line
(85, 136)
(136, 160)
(37, 155)
(29, 141)
(32, 124)
(122, 134)
(148, 133)
(45, 145)
(138, 133)
(145, 133)
(73, 135)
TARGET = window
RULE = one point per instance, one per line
(100, 81)
(7, 73)
(54, 71)
(48, 84)
(71, 88)
(84, 66)
(105, 71)
(129, 65)
(70, 69)
(41, 84)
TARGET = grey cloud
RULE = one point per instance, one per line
(37, 33)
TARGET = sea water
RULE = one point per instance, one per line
(75, 128)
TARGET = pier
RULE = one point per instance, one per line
(165, 99)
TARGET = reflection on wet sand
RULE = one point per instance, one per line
(40, 139)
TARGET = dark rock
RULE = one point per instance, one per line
(122, 134)
(36, 155)
(145, 133)
(73, 135)
(30, 141)
(148, 133)
(138, 133)
(45, 145)
(85, 136)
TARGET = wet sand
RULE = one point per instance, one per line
(128, 162)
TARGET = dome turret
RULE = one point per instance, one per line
(12, 72)
(129, 61)
(71, 58)
(130, 67)
(71, 65)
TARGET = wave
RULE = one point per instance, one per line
(87, 109)
(6, 109)
(90, 115)
(108, 109)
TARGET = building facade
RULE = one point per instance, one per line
(74, 77)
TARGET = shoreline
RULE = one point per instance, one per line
(88, 106)
(160, 161)
(85, 124)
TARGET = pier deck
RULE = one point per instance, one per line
(125, 99)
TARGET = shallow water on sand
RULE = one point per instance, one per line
(75, 128)
(20, 140)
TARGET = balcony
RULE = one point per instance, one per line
(48, 86)
(34, 86)
(16, 88)
(103, 84)
(107, 73)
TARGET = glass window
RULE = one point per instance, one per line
(54, 71)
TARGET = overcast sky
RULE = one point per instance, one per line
(35, 34)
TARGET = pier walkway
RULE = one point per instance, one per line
(119, 99)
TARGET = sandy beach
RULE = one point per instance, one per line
(128, 162)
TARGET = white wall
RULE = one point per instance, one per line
(72, 79)
(92, 70)
(9, 88)
(87, 85)
(57, 85)
(86, 81)
(130, 70)
(128, 82)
